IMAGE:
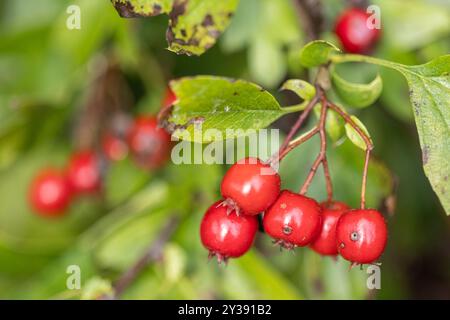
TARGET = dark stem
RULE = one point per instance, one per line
(367, 142)
(329, 185)
(311, 16)
(153, 253)
(297, 125)
(323, 148)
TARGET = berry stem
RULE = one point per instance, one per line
(367, 142)
(298, 141)
(301, 119)
(286, 147)
(329, 185)
(323, 148)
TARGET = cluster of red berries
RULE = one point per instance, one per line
(52, 190)
(352, 29)
(251, 187)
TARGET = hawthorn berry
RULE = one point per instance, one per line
(325, 243)
(114, 147)
(361, 235)
(149, 144)
(169, 98)
(49, 193)
(250, 186)
(353, 32)
(293, 220)
(84, 172)
(226, 234)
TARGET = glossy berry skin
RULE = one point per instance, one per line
(225, 234)
(84, 172)
(251, 185)
(149, 144)
(49, 193)
(293, 220)
(169, 98)
(361, 235)
(325, 243)
(114, 147)
(353, 32)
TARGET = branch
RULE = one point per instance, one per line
(367, 142)
(153, 253)
(311, 17)
(323, 147)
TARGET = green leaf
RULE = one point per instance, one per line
(230, 107)
(96, 288)
(353, 135)
(334, 125)
(142, 8)
(356, 94)
(317, 52)
(302, 88)
(195, 25)
(430, 96)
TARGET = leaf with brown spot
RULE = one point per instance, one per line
(195, 25)
(142, 8)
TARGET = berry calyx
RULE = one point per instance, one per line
(114, 147)
(227, 235)
(149, 144)
(49, 193)
(352, 29)
(84, 172)
(361, 235)
(293, 220)
(250, 186)
(325, 243)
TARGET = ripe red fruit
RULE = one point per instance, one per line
(114, 147)
(227, 235)
(49, 193)
(293, 220)
(351, 28)
(149, 144)
(361, 235)
(325, 243)
(169, 98)
(84, 172)
(250, 186)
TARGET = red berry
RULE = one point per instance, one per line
(293, 220)
(325, 243)
(149, 144)
(169, 98)
(351, 28)
(361, 235)
(49, 193)
(251, 186)
(225, 234)
(84, 172)
(114, 147)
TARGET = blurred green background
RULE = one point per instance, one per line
(48, 78)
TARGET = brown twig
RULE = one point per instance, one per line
(329, 185)
(323, 148)
(311, 16)
(297, 125)
(367, 142)
(152, 254)
(296, 142)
